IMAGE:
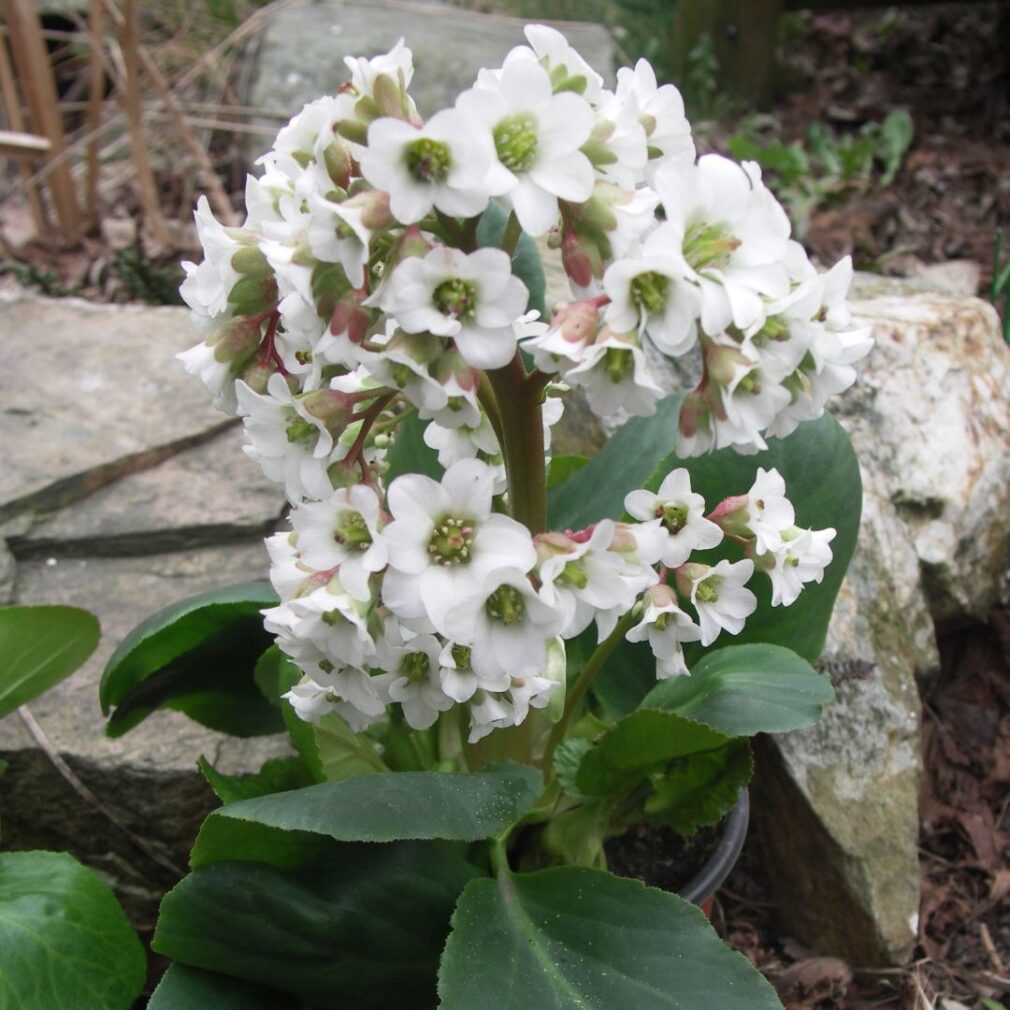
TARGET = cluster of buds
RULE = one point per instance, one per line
(358, 293)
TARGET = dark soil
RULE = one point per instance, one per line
(659, 856)
(963, 954)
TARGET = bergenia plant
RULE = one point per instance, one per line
(492, 662)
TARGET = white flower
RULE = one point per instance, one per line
(535, 136)
(582, 577)
(438, 165)
(800, 558)
(659, 109)
(463, 442)
(666, 627)
(352, 694)
(298, 142)
(416, 682)
(770, 512)
(562, 61)
(404, 363)
(617, 146)
(650, 290)
(326, 624)
(506, 623)
(397, 64)
(473, 298)
(719, 596)
(207, 287)
(680, 513)
(460, 680)
(343, 532)
(292, 446)
(734, 236)
(489, 712)
(444, 539)
(616, 376)
(288, 575)
(337, 234)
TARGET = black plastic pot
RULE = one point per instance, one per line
(702, 887)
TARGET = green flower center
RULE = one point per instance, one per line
(515, 141)
(461, 656)
(674, 517)
(352, 531)
(300, 431)
(649, 290)
(709, 245)
(708, 591)
(400, 373)
(427, 160)
(661, 621)
(618, 361)
(451, 541)
(415, 666)
(505, 604)
(573, 575)
(456, 297)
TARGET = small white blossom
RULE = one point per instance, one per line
(801, 557)
(666, 627)
(720, 597)
(680, 513)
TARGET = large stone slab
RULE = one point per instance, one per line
(210, 494)
(147, 778)
(89, 393)
(299, 54)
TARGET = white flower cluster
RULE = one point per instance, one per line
(357, 294)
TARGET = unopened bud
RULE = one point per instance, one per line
(722, 363)
(237, 342)
(257, 375)
(578, 322)
(353, 130)
(249, 260)
(695, 413)
(330, 406)
(390, 97)
(581, 259)
(732, 516)
(337, 159)
(252, 295)
(374, 205)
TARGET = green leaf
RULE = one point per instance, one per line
(362, 927)
(573, 939)
(409, 453)
(698, 792)
(563, 467)
(222, 838)
(406, 805)
(277, 775)
(184, 988)
(526, 263)
(896, 135)
(747, 689)
(39, 647)
(64, 940)
(624, 463)
(196, 656)
(640, 743)
(275, 674)
(343, 754)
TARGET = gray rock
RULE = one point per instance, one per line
(90, 393)
(299, 55)
(211, 494)
(148, 777)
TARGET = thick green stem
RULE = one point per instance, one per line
(522, 442)
(593, 666)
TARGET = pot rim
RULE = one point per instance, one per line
(710, 877)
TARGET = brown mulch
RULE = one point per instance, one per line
(963, 952)
(949, 66)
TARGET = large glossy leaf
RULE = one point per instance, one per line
(405, 805)
(39, 646)
(627, 461)
(747, 689)
(196, 656)
(573, 939)
(64, 940)
(185, 988)
(362, 927)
